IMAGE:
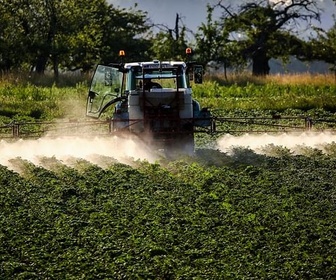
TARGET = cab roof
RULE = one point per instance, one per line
(156, 64)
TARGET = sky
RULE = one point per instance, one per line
(193, 12)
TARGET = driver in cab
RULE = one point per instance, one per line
(149, 84)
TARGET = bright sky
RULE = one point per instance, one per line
(193, 12)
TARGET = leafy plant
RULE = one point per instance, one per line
(216, 215)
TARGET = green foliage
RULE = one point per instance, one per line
(45, 101)
(324, 46)
(256, 32)
(211, 216)
(212, 41)
(270, 96)
(268, 218)
(170, 44)
(126, 30)
(67, 34)
(40, 35)
(20, 101)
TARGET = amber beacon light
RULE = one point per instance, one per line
(122, 53)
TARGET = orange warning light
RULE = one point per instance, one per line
(188, 51)
(121, 53)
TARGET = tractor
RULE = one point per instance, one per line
(151, 100)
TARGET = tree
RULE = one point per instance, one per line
(170, 43)
(78, 46)
(263, 30)
(323, 47)
(126, 30)
(214, 45)
(209, 39)
(67, 34)
(14, 41)
(43, 32)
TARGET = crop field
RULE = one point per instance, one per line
(242, 207)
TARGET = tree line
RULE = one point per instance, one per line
(69, 35)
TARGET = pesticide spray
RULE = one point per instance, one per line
(65, 148)
(128, 150)
(292, 141)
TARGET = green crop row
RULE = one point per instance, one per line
(244, 216)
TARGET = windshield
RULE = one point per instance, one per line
(166, 78)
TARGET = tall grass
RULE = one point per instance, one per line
(274, 92)
(42, 97)
(244, 79)
(69, 79)
(22, 97)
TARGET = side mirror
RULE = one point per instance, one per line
(198, 74)
(92, 95)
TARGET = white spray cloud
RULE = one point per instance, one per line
(127, 150)
(63, 148)
(258, 142)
